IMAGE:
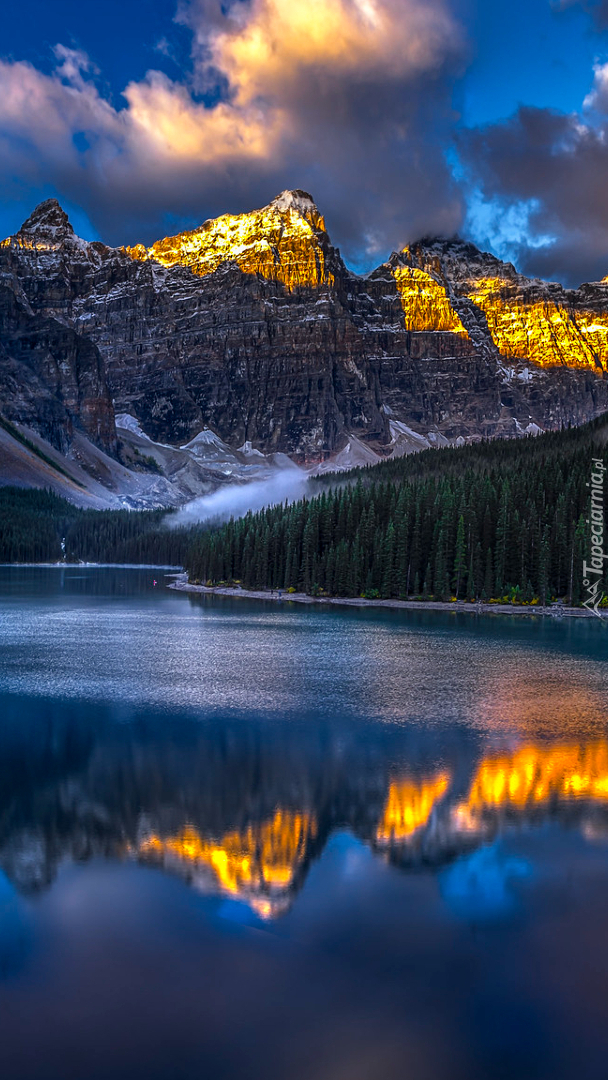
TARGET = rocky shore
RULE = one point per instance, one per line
(182, 584)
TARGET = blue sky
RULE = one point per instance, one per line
(527, 53)
(411, 123)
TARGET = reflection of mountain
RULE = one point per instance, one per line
(533, 777)
(241, 808)
(409, 806)
(433, 820)
(259, 865)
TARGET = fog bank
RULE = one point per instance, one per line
(235, 500)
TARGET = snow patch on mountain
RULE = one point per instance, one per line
(130, 423)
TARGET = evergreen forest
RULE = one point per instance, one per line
(35, 524)
(501, 520)
(505, 520)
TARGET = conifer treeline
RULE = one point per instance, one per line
(34, 523)
(496, 520)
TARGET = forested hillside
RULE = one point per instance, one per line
(492, 520)
(33, 525)
(502, 519)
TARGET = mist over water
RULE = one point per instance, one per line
(235, 500)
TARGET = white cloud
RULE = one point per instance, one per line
(337, 89)
(597, 98)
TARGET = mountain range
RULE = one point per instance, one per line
(149, 375)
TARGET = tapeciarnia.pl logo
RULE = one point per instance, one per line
(593, 571)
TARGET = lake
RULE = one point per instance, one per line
(245, 840)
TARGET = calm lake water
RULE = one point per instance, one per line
(255, 842)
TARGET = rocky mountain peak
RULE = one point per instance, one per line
(47, 216)
(454, 260)
(300, 203)
(527, 319)
(285, 241)
(297, 198)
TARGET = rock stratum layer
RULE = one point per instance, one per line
(253, 327)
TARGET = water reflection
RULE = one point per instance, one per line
(259, 865)
(409, 806)
(534, 775)
(242, 808)
(378, 839)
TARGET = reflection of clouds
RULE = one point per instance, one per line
(546, 694)
(480, 884)
(14, 929)
(486, 674)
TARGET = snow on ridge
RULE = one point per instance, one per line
(398, 429)
(529, 429)
(294, 200)
(132, 424)
(206, 437)
(352, 456)
(248, 450)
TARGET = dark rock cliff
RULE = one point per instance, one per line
(253, 326)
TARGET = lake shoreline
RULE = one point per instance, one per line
(558, 611)
(94, 566)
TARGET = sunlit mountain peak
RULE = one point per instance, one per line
(284, 241)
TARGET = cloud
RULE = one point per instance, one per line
(349, 98)
(597, 98)
(555, 166)
(538, 182)
(597, 9)
(236, 500)
(270, 45)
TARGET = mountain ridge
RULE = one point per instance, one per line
(252, 326)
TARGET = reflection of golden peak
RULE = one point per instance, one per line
(282, 242)
(426, 305)
(257, 865)
(533, 776)
(409, 806)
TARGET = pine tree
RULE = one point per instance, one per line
(460, 561)
(544, 566)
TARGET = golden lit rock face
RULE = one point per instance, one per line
(425, 302)
(543, 332)
(27, 244)
(533, 776)
(256, 865)
(281, 242)
(409, 806)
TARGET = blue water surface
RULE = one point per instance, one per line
(250, 840)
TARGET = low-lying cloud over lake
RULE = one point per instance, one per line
(235, 500)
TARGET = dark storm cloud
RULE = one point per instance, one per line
(557, 166)
(350, 99)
